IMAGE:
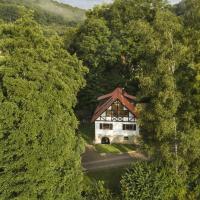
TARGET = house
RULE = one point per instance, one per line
(115, 118)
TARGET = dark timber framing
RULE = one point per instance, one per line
(116, 117)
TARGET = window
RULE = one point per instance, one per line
(115, 109)
(126, 138)
(123, 113)
(129, 127)
(106, 126)
(118, 110)
(108, 113)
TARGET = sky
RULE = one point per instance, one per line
(87, 4)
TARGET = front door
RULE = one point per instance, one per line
(105, 140)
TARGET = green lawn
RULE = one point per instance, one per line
(111, 178)
(114, 148)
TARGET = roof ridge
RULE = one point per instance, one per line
(123, 97)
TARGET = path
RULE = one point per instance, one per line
(92, 160)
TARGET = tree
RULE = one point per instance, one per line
(97, 191)
(146, 181)
(39, 81)
(153, 52)
(135, 44)
(10, 13)
(114, 42)
(158, 83)
(46, 12)
(170, 120)
(92, 44)
(188, 81)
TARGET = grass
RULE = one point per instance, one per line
(114, 148)
(111, 178)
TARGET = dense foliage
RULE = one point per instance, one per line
(151, 49)
(145, 181)
(46, 12)
(115, 42)
(39, 80)
(96, 191)
(189, 85)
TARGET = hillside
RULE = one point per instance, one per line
(46, 12)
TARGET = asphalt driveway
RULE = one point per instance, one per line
(92, 160)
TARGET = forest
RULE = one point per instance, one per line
(45, 12)
(55, 60)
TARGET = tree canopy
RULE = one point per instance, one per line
(148, 47)
(151, 49)
(145, 181)
(47, 12)
(39, 80)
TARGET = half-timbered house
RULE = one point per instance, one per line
(115, 118)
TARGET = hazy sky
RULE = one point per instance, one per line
(90, 3)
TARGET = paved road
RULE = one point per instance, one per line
(93, 161)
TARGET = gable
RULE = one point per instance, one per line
(117, 109)
(116, 96)
(116, 112)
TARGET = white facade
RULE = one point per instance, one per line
(117, 132)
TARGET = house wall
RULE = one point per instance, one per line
(117, 134)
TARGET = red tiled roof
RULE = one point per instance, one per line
(109, 99)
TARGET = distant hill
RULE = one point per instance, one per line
(46, 11)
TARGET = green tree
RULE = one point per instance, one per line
(114, 42)
(39, 81)
(135, 44)
(10, 13)
(144, 46)
(188, 81)
(92, 44)
(46, 12)
(158, 83)
(97, 191)
(151, 181)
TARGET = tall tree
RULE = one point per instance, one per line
(145, 47)
(93, 46)
(158, 83)
(170, 120)
(39, 80)
(113, 42)
(188, 80)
